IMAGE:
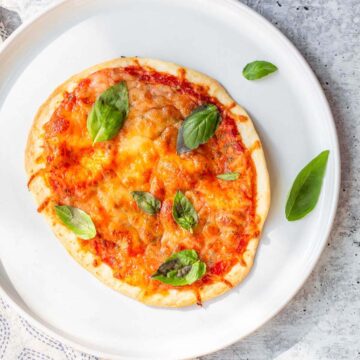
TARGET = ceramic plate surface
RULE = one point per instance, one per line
(290, 113)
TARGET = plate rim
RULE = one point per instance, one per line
(238, 6)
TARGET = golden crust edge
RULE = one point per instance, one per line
(175, 297)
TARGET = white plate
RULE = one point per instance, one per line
(290, 113)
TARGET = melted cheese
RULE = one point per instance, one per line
(99, 179)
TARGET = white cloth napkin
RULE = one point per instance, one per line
(20, 340)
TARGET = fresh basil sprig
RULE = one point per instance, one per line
(198, 128)
(258, 69)
(228, 176)
(182, 268)
(184, 213)
(108, 113)
(306, 188)
(146, 202)
(77, 220)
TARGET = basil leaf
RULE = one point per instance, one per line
(77, 220)
(258, 69)
(306, 188)
(108, 113)
(182, 268)
(181, 148)
(146, 202)
(198, 128)
(184, 213)
(228, 176)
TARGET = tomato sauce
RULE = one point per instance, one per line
(99, 178)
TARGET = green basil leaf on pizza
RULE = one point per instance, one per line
(77, 220)
(230, 176)
(146, 202)
(108, 113)
(182, 268)
(184, 212)
(198, 128)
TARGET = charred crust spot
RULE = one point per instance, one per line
(198, 297)
(182, 74)
(255, 146)
(96, 262)
(33, 176)
(39, 159)
(227, 283)
(231, 106)
(43, 205)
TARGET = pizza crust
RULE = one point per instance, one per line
(41, 191)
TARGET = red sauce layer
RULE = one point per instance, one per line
(99, 178)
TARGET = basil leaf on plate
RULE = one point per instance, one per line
(182, 268)
(108, 113)
(258, 69)
(184, 213)
(146, 202)
(77, 220)
(306, 188)
(198, 128)
(228, 176)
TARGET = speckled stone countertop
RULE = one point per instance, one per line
(323, 320)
